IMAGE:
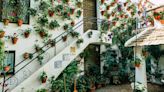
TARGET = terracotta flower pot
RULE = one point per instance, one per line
(114, 23)
(79, 4)
(125, 3)
(26, 55)
(44, 80)
(157, 17)
(64, 38)
(102, 13)
(20, 22)
(162, 21)
(137, 65)
(72, 23)
(26, 34)
(50, 13)
(6, 21)
(112, 4)
(102, 1)
(72, 11)
(14, 40)
(93, 89)
(6, 68)
(108, 7)
(42, 34)
(2, 34)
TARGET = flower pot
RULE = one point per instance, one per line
(2, 34)
(20, 22)
(114, 23)
(42, 34)
(26, 34)
(6, 68)
(125, 3)
(64, 38)
(102, 13)
(79, 4)
(50, 13)
(108, 16)
(72, 23)
(162, 21)
(108, 7)
(112, 4)
(93, 89)
(26, 55)
(102, 1)
(137, 65)
(157, 17)
(72, 11)
(44, 79)
(14, 40)
(6, 21)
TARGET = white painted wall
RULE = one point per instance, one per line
(27, 45)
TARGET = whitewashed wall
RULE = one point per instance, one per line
(27, 45)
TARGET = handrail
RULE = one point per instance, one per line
(84, 19)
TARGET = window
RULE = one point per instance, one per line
(10, 60)
(14, 10)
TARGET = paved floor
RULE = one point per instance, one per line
(127, 88)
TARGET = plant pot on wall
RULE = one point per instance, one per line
(6, 21)
(64, 38)
(2, 33)
(50, 13)
(7, 68)
(14, 40)
(20, 22)
(26, 34)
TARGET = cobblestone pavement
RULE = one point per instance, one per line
(127, 88)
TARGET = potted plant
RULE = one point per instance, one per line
(42, 90)
(52, 42)
(79, 4)
(38, 48)
(40, 59)
(32, 11)
(14, 38)
(27, 32)
(108, 7)
(43, 77)
(42, 20)
(73, 23)
(162, 17)
(54, 24)
(137, 62)
(74, 34)
(7, 68)
(64, 38)
(102, 1)
(43, 5)
(42, 32)
(72, 10)
(79, 42)
(2, 33)
(157, 16)
(92, 83)
(79, 12)
(27, 55)
(65, 27)
(66, 15)
(59, 9)
(51, 12)
(139, 87)
(90, 34)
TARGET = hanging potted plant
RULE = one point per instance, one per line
(137, 62)
(79, 4)
(108, 7)
(59, 10)
(43, 77)
(42, 20)
(79, 42)
(72, 10)
(90, 34)
(51, 12)
(42, 32)
(27, 33)
(103, 12)
(7, 68)
(14, 38)
(54, 24)
(65, 27)
(79, 12)
(73, 23)
(102, 1)
(2, 33)
(64, 38)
